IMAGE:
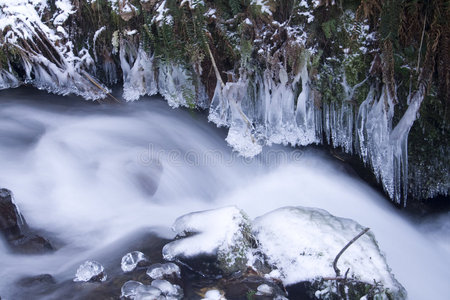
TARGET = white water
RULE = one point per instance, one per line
(77, 171)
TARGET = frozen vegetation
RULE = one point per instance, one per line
(301, 99)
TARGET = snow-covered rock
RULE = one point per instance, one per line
(302, 243)
(223, 233)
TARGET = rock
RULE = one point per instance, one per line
(12, 222)
(36, 280)
(15, 229)
(90, 271)
(31, 243)
(212, 240)
(131, 260)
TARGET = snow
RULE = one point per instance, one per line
(162, 16)
(214, 231)
(265, 8)
(303, 242)
(213, 295)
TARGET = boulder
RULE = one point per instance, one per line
(211, 241)
(15, 230)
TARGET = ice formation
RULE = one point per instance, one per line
(158, 271)
(146, 292)
(90, 271)
(128, 289)
(168, 289)
(261, 108)
(131, 260)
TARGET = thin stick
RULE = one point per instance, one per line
(338, 272)
(421, 42)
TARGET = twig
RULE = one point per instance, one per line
(338, 272)
(421, 42)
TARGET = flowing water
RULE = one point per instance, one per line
(87, 175)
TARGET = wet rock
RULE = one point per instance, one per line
(11, 220)
(36, 280)
(15, 230)
(31, 243)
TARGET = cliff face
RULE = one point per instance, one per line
(371, 77)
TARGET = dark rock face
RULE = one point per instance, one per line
(11, 221)
(15, 230)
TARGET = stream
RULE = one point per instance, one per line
(89, 175)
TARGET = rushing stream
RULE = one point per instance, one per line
(88, 175)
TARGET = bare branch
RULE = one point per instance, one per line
(338, 272)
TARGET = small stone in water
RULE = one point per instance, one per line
(158, 271)
(213, 295)
(129, 288)
(166, 287)
(147, 292)
(264, 289)
(130, 260)
(90, 270)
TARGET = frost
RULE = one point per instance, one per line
(158, 271)
(131, 260)
(90, 271)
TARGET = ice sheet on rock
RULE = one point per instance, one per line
(158, 271)
(90, 270)
(128, 289)
(215, 231)
(264, 289)
(167, 288)
(147, 292)
(131, 260)
(303, 242)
